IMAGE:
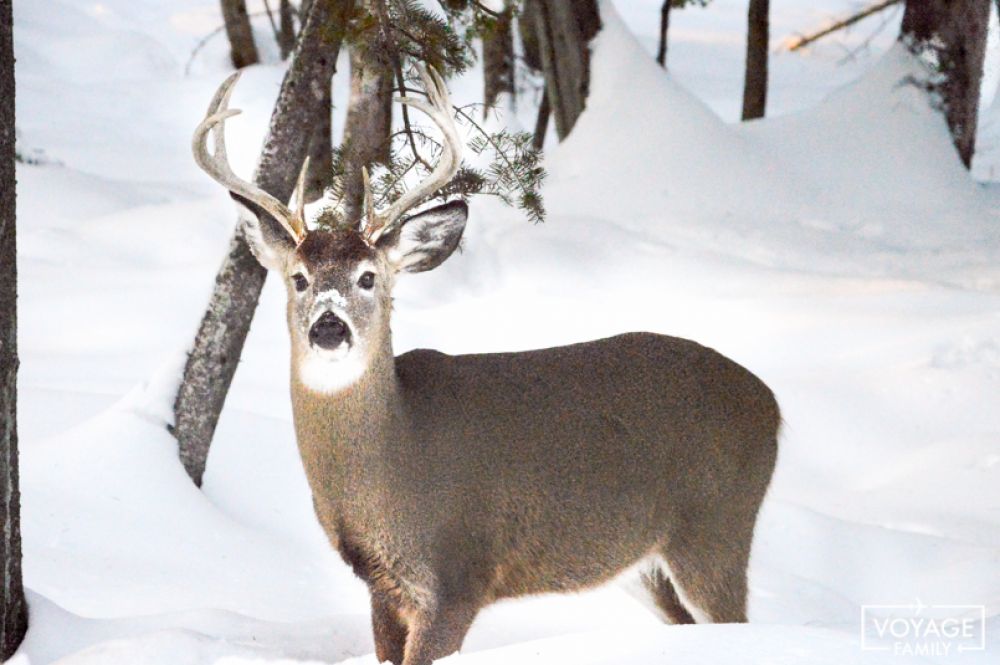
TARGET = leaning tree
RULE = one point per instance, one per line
(212, 360)
(385, 37)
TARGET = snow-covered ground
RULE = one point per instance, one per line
(838, 250)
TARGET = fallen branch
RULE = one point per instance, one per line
(796, 43)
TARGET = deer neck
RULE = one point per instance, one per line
(342, 434)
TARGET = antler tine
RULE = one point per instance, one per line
(439, 110)
(217, 165)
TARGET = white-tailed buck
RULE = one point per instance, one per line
(450, 482)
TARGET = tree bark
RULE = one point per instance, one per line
(951, 34)
(286, 29)
(527, 28)
(242, 49)
(755, 80)
(14, 619)
(219, 341)
(368, 125)
(498, 60)
(320, 173)
(541, 122)
(661, 53)
(564, 29)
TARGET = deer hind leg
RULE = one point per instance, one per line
(438, 632)
(388, 627)
(710, 577)
(664, 594)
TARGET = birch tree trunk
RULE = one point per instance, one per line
(952, 34)
(242, 49)
(755, 79)
(14, 619)
(219, 341)
(564, 29)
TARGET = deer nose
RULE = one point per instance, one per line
(329, 331)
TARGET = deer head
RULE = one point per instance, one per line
(339, 281)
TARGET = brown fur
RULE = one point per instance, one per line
(607, 451)
(448, 483)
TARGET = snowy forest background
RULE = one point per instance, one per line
(837, 248)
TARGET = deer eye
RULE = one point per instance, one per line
(367, 280)
(301, 283)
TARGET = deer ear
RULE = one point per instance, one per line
(425, 240)
(268, 240)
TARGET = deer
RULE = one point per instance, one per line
(451, 482)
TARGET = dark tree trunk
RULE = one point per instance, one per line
(14, 620)
(541, 122)
(953, 34)
(661, 53)
(242, 49)
(564, 29)
(755, 80)
(286, 29)
(527, 27)
(498, 60)
(219, 342)
(368, 125)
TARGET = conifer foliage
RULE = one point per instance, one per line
(395, 35)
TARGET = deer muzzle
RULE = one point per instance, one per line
(329, 331)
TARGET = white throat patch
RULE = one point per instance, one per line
(329, 372)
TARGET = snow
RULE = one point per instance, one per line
(837, 249)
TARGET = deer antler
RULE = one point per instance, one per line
(437, 108)
(216, 164)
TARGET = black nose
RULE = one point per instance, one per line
(329, 331)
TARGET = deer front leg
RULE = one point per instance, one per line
(438, 632)
(389, 629)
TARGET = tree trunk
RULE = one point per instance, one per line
(952, 34)
(242, 49)
(14, 620)
(368, 125)
(564, 29)
(320, 173)
(219, 342)
(541, 122)
(498, 60)
(755, 80)
(286, 29)
(527, 28)
(661, 53)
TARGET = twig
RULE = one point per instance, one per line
(489, 139)
(869, 39)
(486, 10)
(801, 41)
